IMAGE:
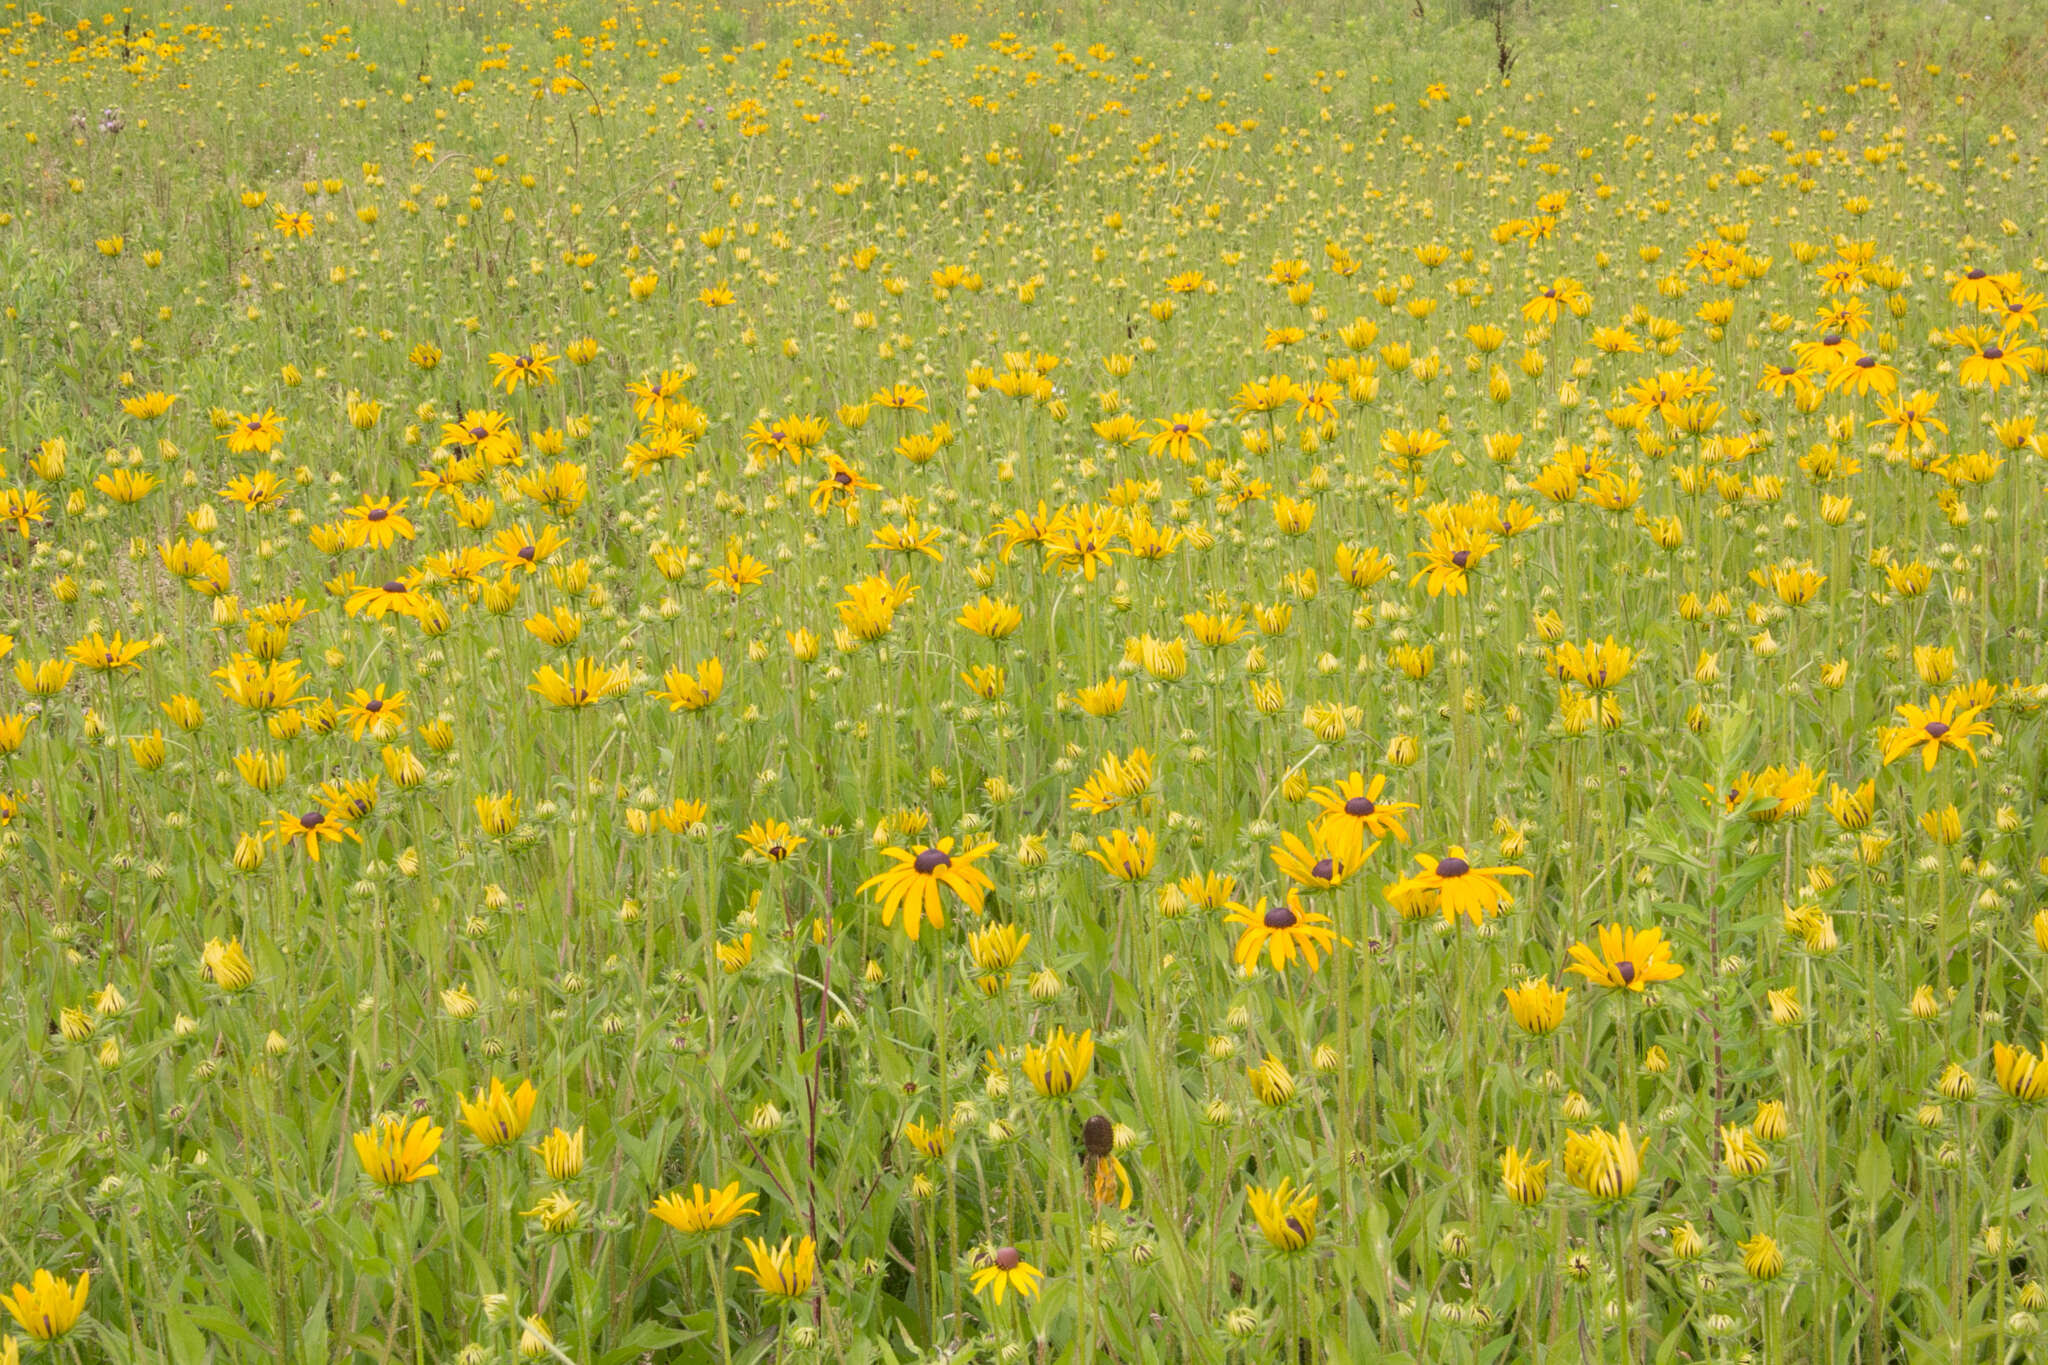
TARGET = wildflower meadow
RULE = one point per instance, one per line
(910, 680)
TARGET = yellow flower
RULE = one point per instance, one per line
(1005, 1270)
(497, 1117)
(1124, 855)
(561, 1154)
(1452, 885)
(912, 885)
(1285, 1214)
(1761, 1258)
(1629, 959)
(2021, 1074)
(1061, 1063)
(49, 1309)
(1741, 1153)
(1595, 667)
(1944, 723)
(45, 679)
(780, 1272)
(393, 1154)
(226, 965)
(1281, 932)
(702, 1210)
(1538, 1006)
(1526, 1181)
(1603, 1164)
(1271, 1082)
(585, 683)
(930, 1140)
(557, 1212)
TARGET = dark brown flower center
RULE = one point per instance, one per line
(1831, 339)
(527, 552)
(1098, 1136)
(1359, 807)
(1280, 917)
(1461, 558)
(1452, 867)
(1323, 870)
(395, 588)
(1993, 353)
(1626, 970)
(1936, 729)
(312, 819)
(1008, 1259)
(1976, 275)
(373, 706)
(930, 861)
(375, 514)
(1866, 362)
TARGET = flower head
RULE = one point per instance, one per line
(702, 1210)
(394, 1154)
(1286, 1215)
(498, 1117)
(1004, 1270)
(1059, 1064)
(1453, 886)
(49, 1308)
(1282, 932)
(780, 1272)
(1628, 959)
(913, 884)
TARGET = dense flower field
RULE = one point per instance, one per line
(822, 682)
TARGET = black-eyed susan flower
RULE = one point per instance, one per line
(931, 1140)
(1317, 864)
(1945, 722)
(995, 950)
(1271, 1082)
(101, 655)
(1059, 1064)
(1627, 959)
(1281, 932)
(772, 840)
(534, 367)
(1286, 1214)
(394, 1154)
(48, 1307)
(374, 712)
(1741, 1154)
(1354, 814)
(1452, 886)
(561, 1154)
(1761, 1258)
(913, 885)
(226, 965)
(2020, 1073)
(781, 1272)
(1126, 855)
(704, 1211)
(313, 828)
(1003, 1270)
(498, 1117)
(582, 684)
(1603, 1164)
(1524, 1179)
(1537, 1006)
